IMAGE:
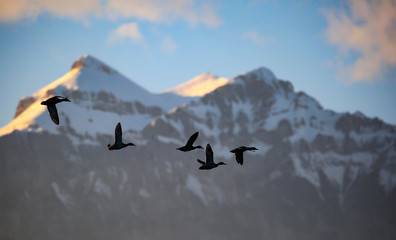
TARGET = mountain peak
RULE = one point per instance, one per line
(95, 89)
(359, 114)
(200, 85)
(261, 73)
(88, 61)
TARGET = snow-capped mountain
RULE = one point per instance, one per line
(318, 174)
(256, 108)
(199, 86)
(100, 96)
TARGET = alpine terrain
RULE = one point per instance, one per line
(318, 174)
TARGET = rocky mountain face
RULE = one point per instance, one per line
(318, 174)
(258, 109)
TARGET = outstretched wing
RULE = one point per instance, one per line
(192, 139)
(239, 157)
(209, 154)
(201, 162)
(53, 113)
(118, 133)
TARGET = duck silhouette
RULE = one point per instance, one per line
(118, 144)
(50, 103)
(239, 152)
(209, 164)
(189, 145)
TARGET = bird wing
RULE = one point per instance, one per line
(239, 157)
(53, 113)
(54, 100)
(201, 162)
(209, 154)
(118, 133)
(192, 139)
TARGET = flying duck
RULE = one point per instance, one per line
(189, 145)
(50, 102)
(209, 164)
(239, 153)
(118, 144)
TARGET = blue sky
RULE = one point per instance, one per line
(340, 52)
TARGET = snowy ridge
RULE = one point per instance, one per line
(100, 97)
(89, 74)
(199, 86)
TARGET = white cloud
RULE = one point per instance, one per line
(257, 38)
(209, 17)
(164, 11)
(126, 31)
(368, 29)
(148, 10)
(168, 45)
(15, 10)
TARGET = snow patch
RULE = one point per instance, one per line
(169, 140)
(219, 194)
(144, 193)
(124, 179)
(275, 174)
(168, 167)
(335, 173)
(102, 188)
(65, 198)
(333, 166)
(91, 176)
(387, 179)
(195, 187)
(309, 174)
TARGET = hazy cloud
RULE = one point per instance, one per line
(149, 10)
(126, 31)
(168, 45)
(368, 29)
(164, 11)
(258, 38)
